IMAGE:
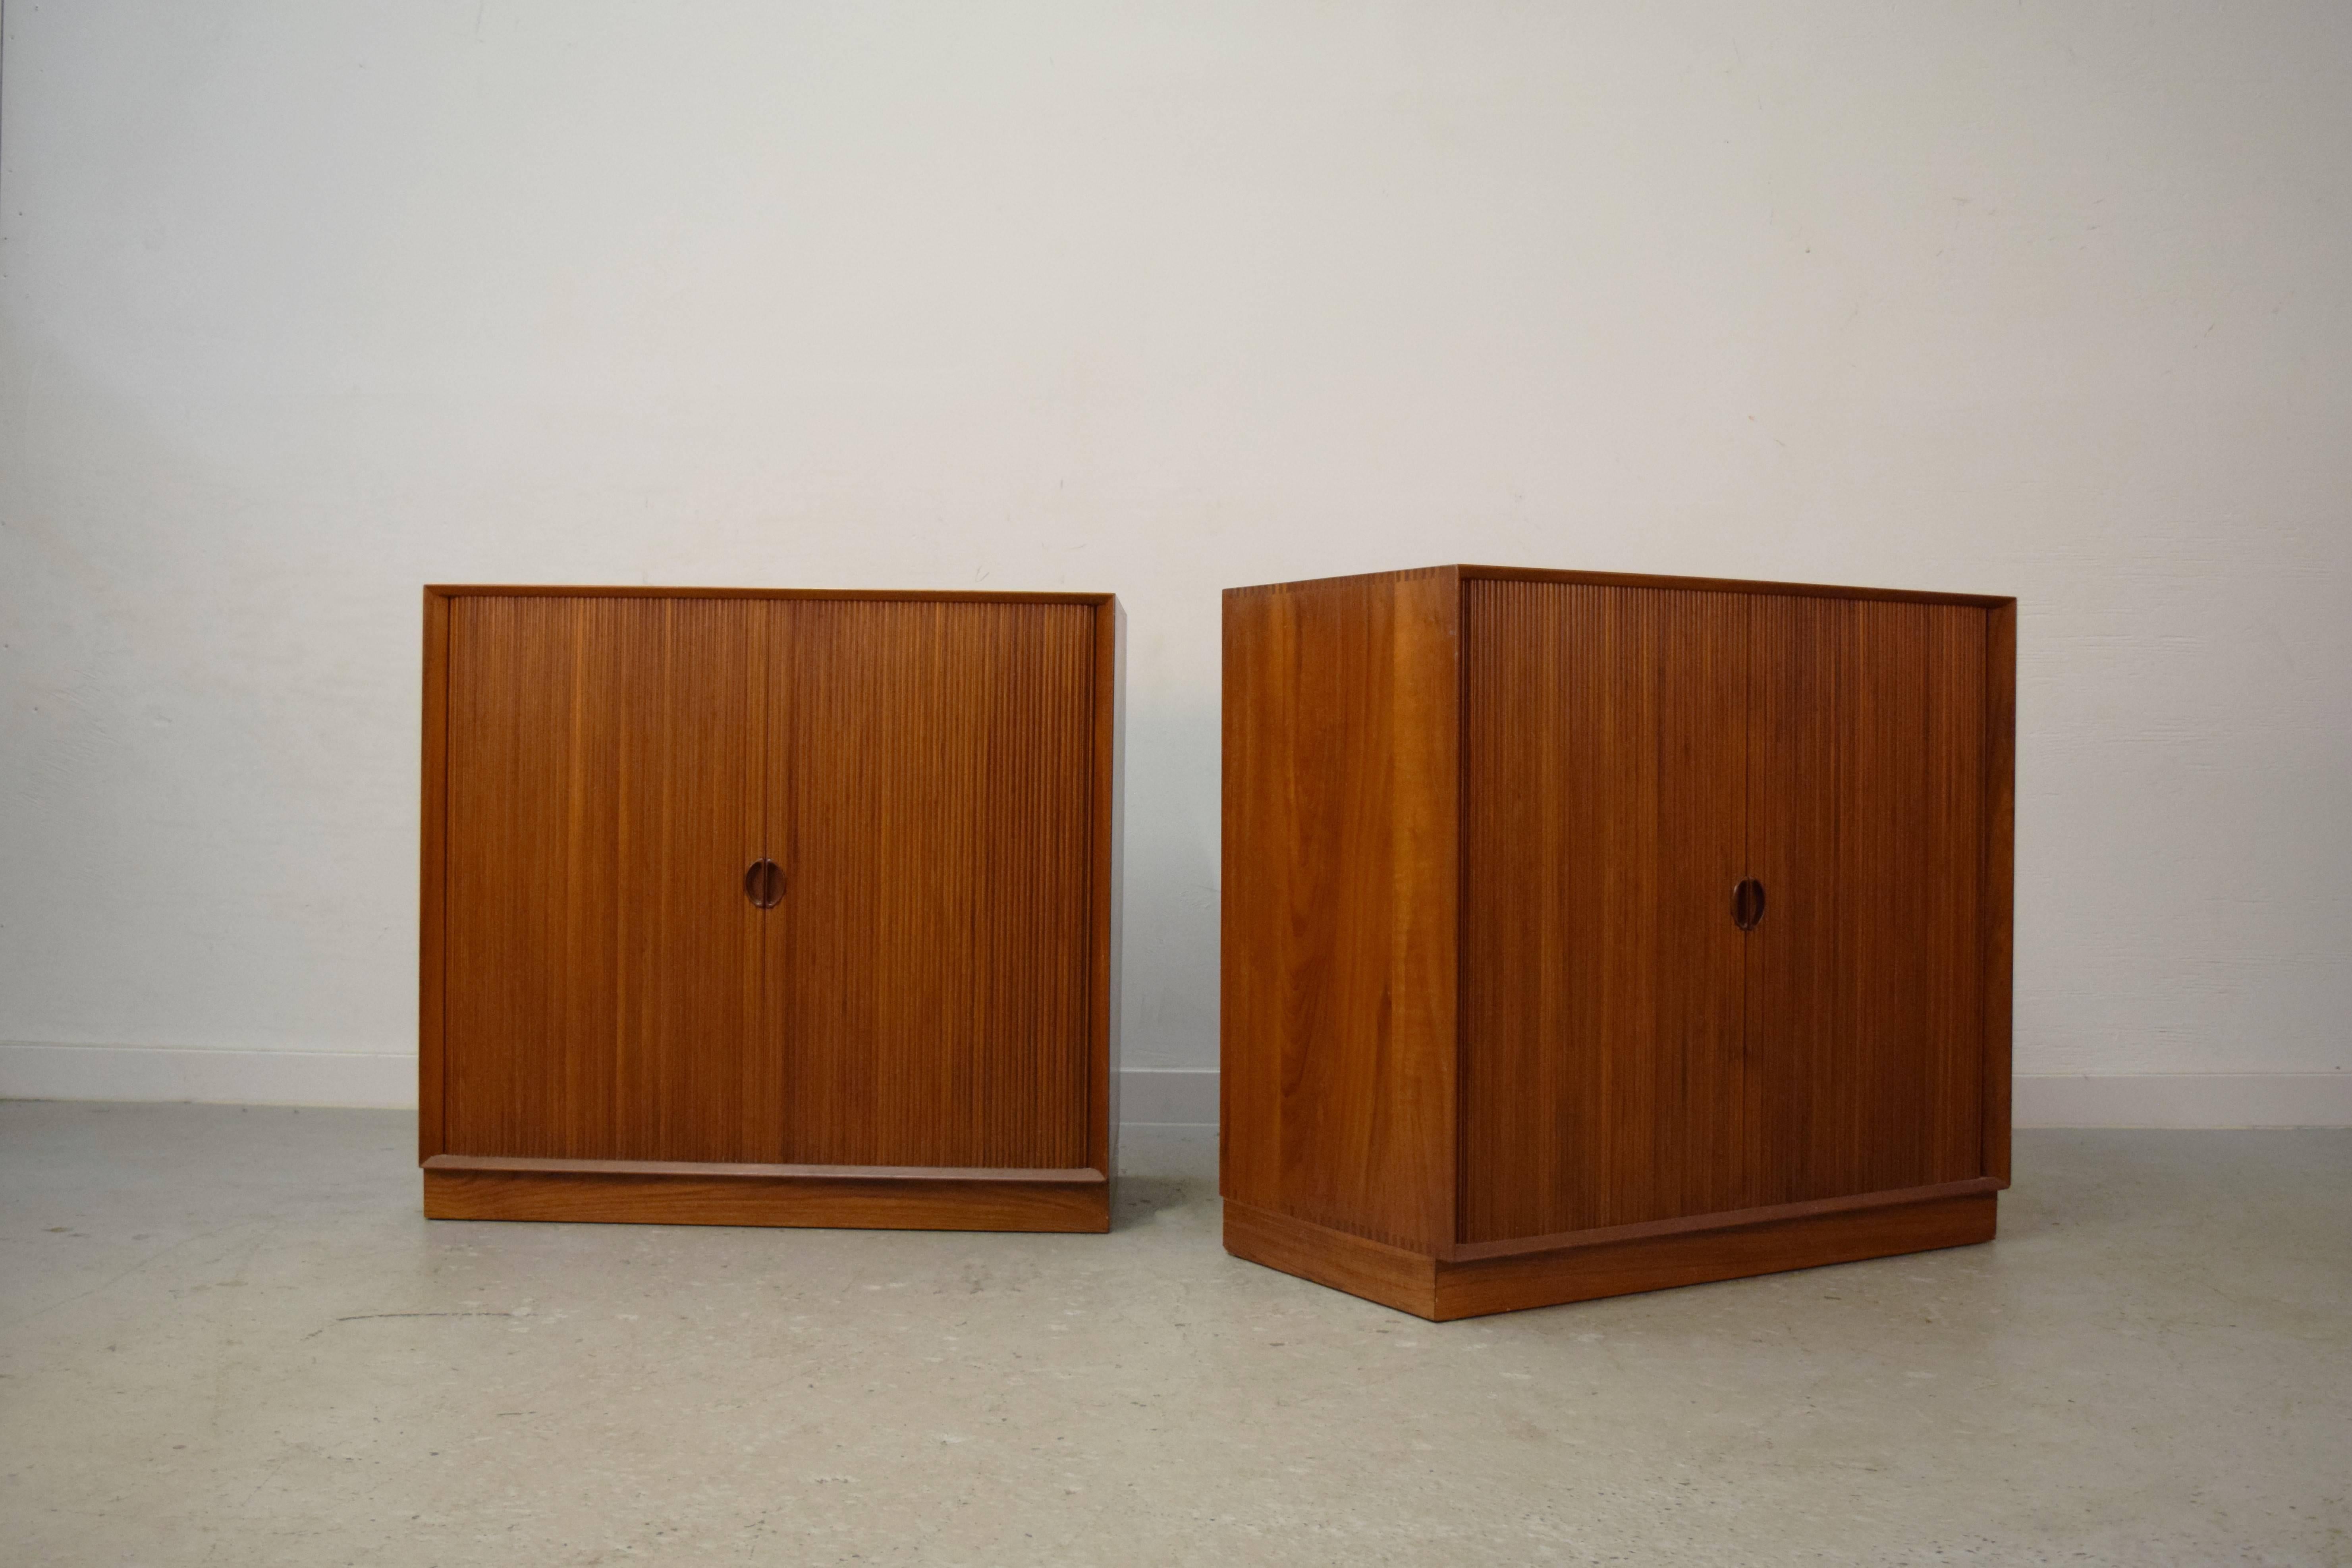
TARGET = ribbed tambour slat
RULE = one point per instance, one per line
(1603, 829)
(603, 798)
(1865, 985)
(1523, 991)
(932, 802)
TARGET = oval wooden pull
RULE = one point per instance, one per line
(1747, 903)
(763, 884)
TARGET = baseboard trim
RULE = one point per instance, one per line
(387, 1081)
(1156, 1097)
(1167, 1097)
(2185, 1099)
(375, 1081)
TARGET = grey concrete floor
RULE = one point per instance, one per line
(227, 1337)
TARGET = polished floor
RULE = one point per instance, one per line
(226, 1337)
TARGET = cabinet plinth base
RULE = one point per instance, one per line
(1726, 1246)
(637, 1192)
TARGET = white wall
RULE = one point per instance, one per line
(306, 305)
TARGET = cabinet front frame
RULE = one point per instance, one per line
(1996, 896)
(1089, 1183)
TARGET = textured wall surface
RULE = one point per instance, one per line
(303, 306)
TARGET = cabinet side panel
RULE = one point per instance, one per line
(933, 804)
(433, 843)
(1605, 828)
(2000, 876)
(1110, 871)
(1258, 715)
(603, 804)
(1866, 974)
(1340, 895)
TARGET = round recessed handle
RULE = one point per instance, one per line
(1747, 903)
(763, 884)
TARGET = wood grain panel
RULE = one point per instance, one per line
(1695, 1258)
(702, 1195)
(1604, 825)
(932, 787)
(1719, 1219)
(1865, 978)
(2000, 875)
(1643, 1095)
(1340, 875)
(1108, 885)
(602, 800)
(1392, 1275)
(432, 895)
(1079, 1175)
(1700, 1251)
(1724, 585)
(640, 591)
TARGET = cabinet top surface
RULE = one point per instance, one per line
(1631, 580)
(611, 591)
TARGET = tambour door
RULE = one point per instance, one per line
(1868, 975)
(602, 800)
(1604, 735)
(929, 799)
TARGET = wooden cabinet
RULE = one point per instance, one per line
(770, 908)
(1586, 934)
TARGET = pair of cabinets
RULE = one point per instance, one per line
(770, 908)
(1582, 934)
(1585, 934)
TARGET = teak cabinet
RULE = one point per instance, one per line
(1586, 934)
(770, 908)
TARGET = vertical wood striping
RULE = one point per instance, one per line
(2000, 872)
(432, 936)
(603, 804)
(1866, 977)
(1106, 873)
(1604, 826)
(1641, 1094)
(927, 971)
